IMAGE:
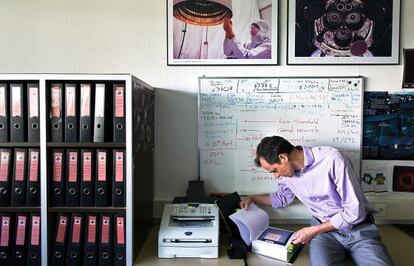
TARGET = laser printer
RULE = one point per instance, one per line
(189, 230)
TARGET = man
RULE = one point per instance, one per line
(323, 180)
(259, 47)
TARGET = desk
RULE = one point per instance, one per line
(148, 254)
(398, 243)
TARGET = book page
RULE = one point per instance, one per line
(251, 222)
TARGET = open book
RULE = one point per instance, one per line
(273, 242)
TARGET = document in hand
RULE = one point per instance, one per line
(254, 228)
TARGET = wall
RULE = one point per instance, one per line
(120, 36)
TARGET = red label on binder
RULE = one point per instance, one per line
(62, 229)
(119, 166)
(57, 167)
(73, 166)
(119, 101)
(16, 101)
(35, 239)
(70, 100)
(34, 166)
(105, 230)
(102, 166)
(21, 230)
(85, 100)
(2, 101)
(5, 229)
(34, 101)
(92, 229)
(19, 174)
(76, 229)
(4, 165)
(120, 230)
(55, 92)
(87, 166)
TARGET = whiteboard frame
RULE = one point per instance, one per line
(361, 78)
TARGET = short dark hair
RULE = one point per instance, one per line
(270, 148)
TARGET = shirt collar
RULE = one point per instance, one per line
(308, 158)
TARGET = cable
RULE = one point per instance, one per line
(184, 31)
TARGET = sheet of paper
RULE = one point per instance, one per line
(251, 222)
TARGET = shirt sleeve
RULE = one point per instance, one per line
(283, 197)
(350, 193)
(233, 48)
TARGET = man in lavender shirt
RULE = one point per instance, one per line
(322, 179)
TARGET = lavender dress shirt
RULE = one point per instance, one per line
(328, 185)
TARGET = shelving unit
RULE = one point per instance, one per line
(14, 211)
(139, 158)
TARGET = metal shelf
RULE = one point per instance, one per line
(20, 209)
(19, 144)
(88, 209)
(85, 145)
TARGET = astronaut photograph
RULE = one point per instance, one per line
(221, 32)
(343, 31)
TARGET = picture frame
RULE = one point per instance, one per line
(408, 73)
(193, 39)
(343, 32)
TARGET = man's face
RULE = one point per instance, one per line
(283, 168)
(254, 29)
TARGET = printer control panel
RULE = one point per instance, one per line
(193, 209)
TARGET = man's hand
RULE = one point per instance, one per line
(305, 235)
(228, 28)
(244, 203)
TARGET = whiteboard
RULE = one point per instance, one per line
(234, 114)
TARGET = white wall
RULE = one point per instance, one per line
(129, 36)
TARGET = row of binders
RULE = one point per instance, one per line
(87, 178)
(19, 177)
(20, 239)
(78, 112)
(89, 240)
(18, 124)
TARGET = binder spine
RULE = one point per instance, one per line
(5, 240)
(101, 192)
(19, 184)
(71, 123)
(105, 243)
(99, 118)
(85, 128)
(56, 113)
(74, 245)
(19, 254)
(33, 184)
(16, 113)
(119, 113)
(72, 184)
(58, 188)
(119, 245)
(118, 193)
(90, 247)
(4, 123)
(87, 184)
(33, 127)
(59, 249)
(33, 254)
(5, 163)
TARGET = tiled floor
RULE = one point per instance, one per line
(400, 246)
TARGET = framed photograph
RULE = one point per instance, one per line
(343, 32)
(408, 76)
(388, 125)
(403, 179)
(222, 32)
